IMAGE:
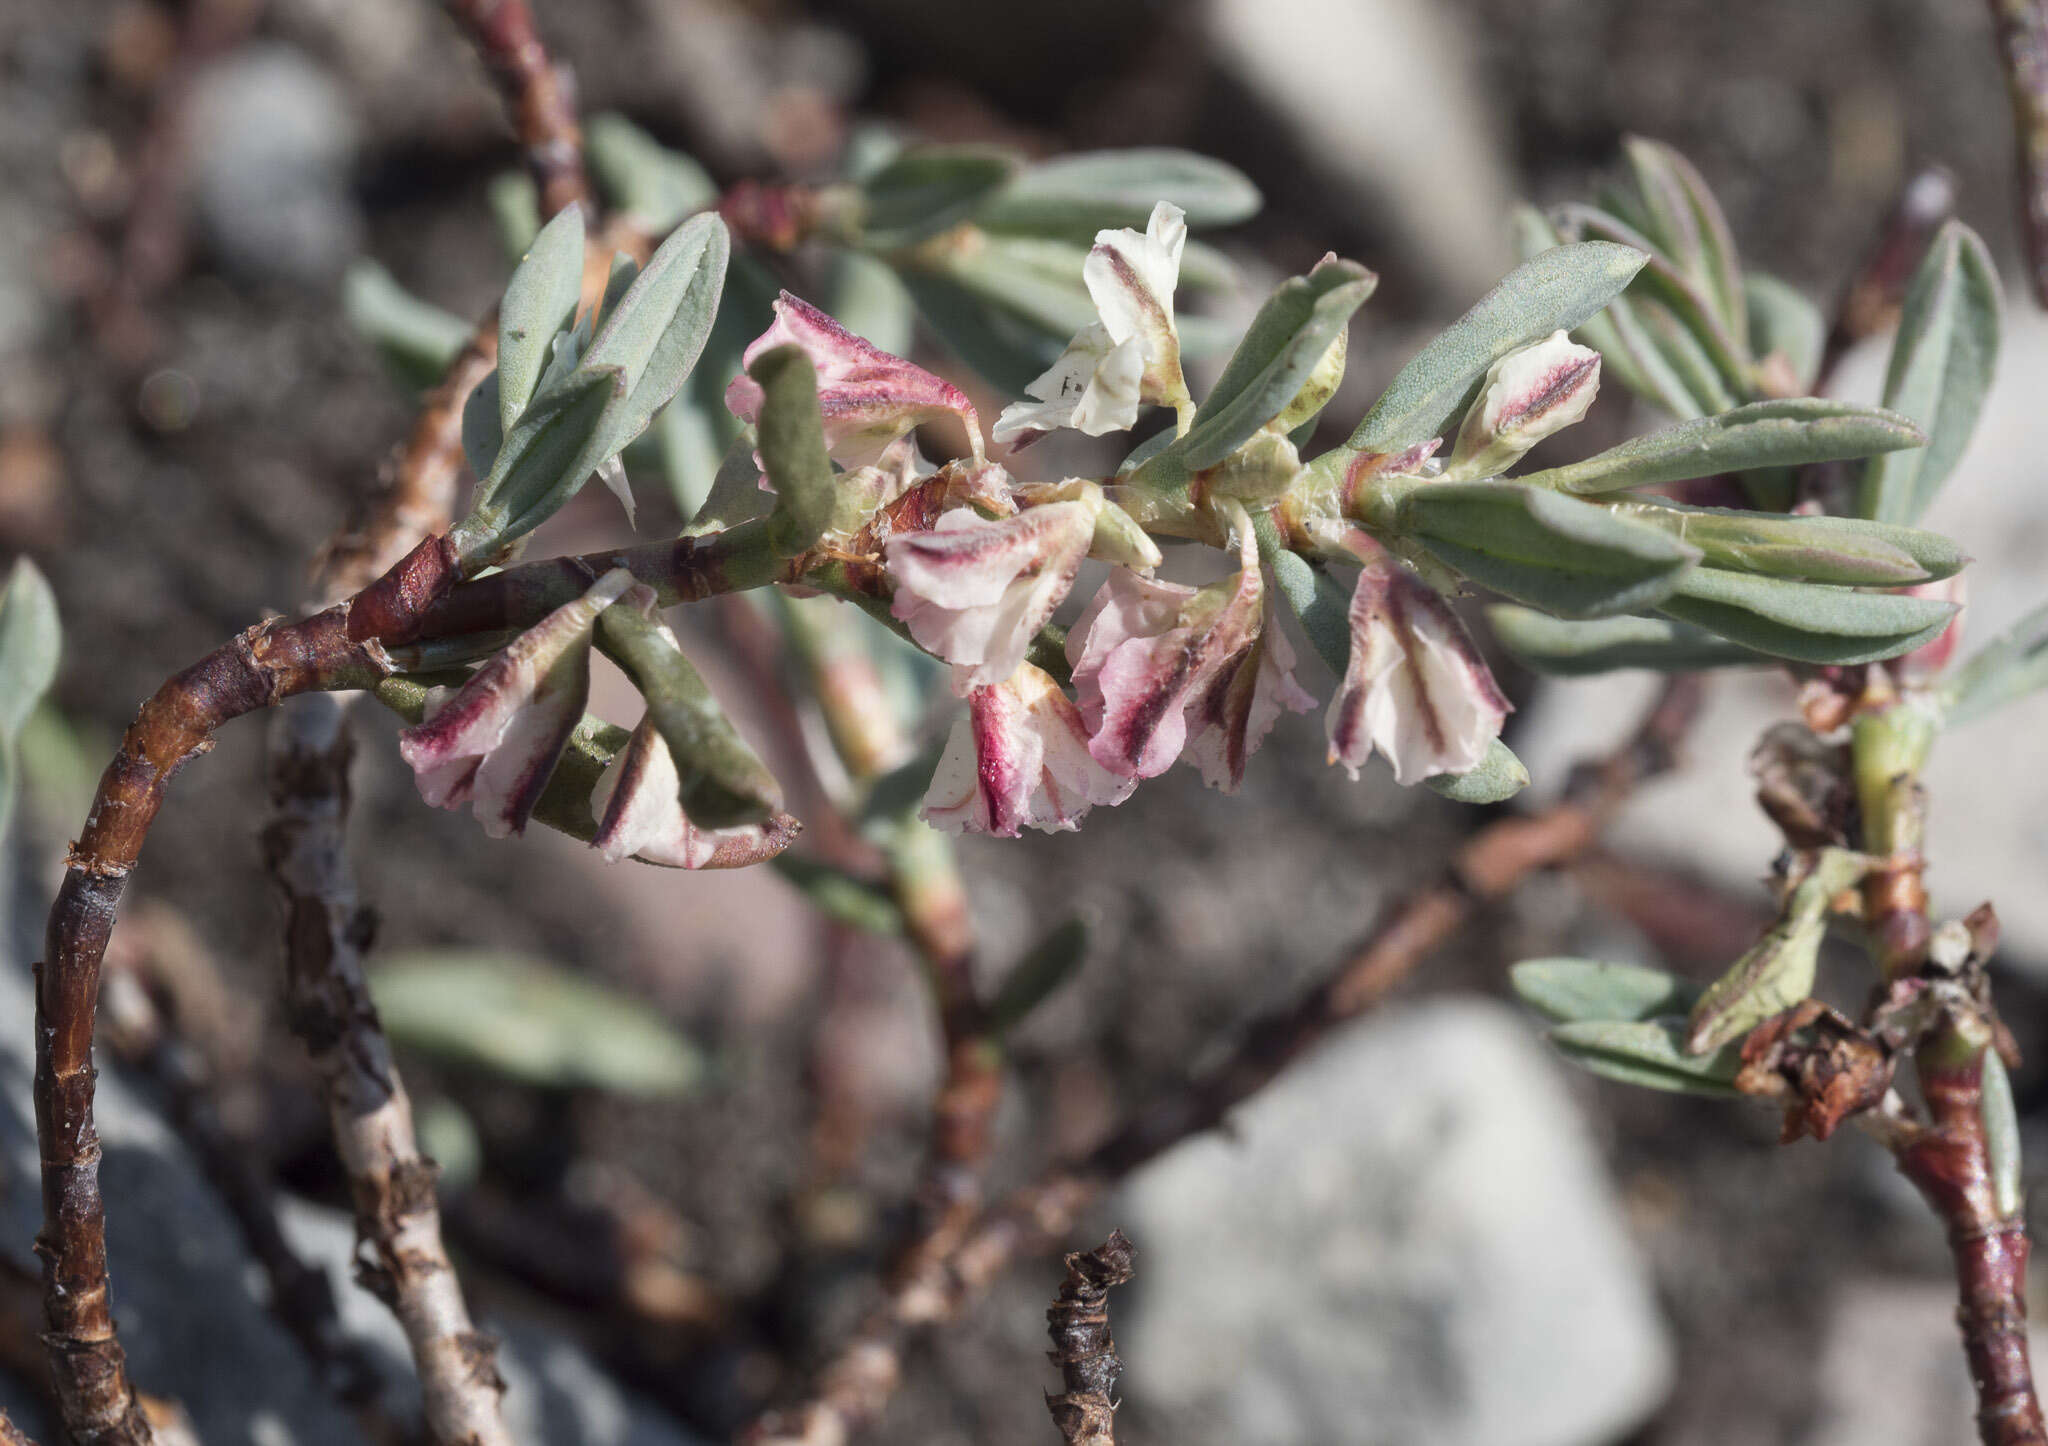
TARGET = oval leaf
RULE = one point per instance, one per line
(1499, 777)
(1554, 552)
(724, 784)
(1080, 194)
(1557, 290)
(926, 190)
(417, 341)
(1650, 1053)
(656, 186)
(1787, 433)
(656, 332)
(531, 1022)
(1843, 550)
(1807, 622)
(2010, 666)
(1568, 991)
(791, 442)
(1603, 645)
(1784, 323)
(1940, 370)
(540, 301)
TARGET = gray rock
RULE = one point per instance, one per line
(271, 138)
(1410, 1239)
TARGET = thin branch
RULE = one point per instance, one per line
(2023, 47)
(855, 1386)
(537, 94)
(301, 1295)
(398, 1222)
(1078, 1323)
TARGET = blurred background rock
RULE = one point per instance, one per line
(184, 416)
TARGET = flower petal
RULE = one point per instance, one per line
(1018, 760)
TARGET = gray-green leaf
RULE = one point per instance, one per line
(1572, 991)
(416, 339)
(31, 642)
(1556, 290)
(793, 450)
(723, 783)
(656, 333)
(1787, 433)
(2004, 670)
(1940, 370)
(1808, 622)
(1080, 194)
(532, 1022)
(1847, 551)
(1603, 645)
(1035, 978)
(540, 301)
(927, 189)
(656, 186)
(1498, 778)
(1650, 1053)
(1543, 548)
(1783, 321)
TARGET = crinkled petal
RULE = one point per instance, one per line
(640, 815)
(1240, 706)
(976, 592)
(1131, 277)
(1096, 381)
(1018, 760)
(867, 398)
(1416, 688)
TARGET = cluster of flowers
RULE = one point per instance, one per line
(1160, 670)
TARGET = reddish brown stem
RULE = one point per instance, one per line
(259, 668)
(1949, 1163)
(536, 92)
(2023, 46)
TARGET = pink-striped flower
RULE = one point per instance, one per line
(1161, 669)
(975, 592)
(1131, 356)
(1416, 689)
(1531, 392)
(1018, 760)
(637, 803)
(867, 397)
(493, 742)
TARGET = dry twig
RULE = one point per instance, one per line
(536, 92)
(1078, 1323)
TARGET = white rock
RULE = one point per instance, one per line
(1410, 1239)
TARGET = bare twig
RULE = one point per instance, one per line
(2023, 46)
(1078, 1323)
(855, 1385)
(536, 92)
(301, 1295)
(398, 1222)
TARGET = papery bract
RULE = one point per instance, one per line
(1529, 393)
(1416, 688)
(493, 742)
(975, 592)
(640, 815)
(1018, 760)
(866, 397)
(1131, 356)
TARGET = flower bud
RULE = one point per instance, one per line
(640, 815)
(493, 742)
(976, 592)
(1019, 759)
(1529, 393)
(867, 397)
(1416, 688)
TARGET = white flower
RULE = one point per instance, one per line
(494, 742)
(637, 803)
(1131, 356)
(976, 592)
(1530, 393)
(1416, 688)
(1018, 760)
